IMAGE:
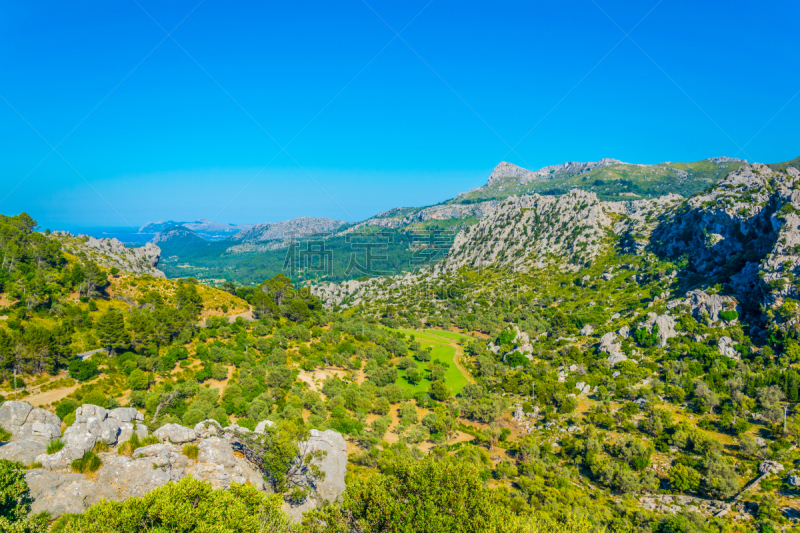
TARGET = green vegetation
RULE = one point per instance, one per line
(441, 355)
(90, 462)
(15, 501)
(55, 446)
(188, 505)
(191, 451)
(392, 254)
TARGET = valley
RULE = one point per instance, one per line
(580, 360)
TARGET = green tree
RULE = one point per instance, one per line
(285, 456)
(83, 370)
(111, 330)
(684, 478)
(440, 391)
(721, 479)
(139, 380)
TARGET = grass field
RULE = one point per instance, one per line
(441, 349)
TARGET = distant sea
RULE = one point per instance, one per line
(124, 234)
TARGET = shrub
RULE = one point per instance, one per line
(101, 447)
(138, 380)
(65, 407)
(86, 464)
(55, 446)
(191, 451)
(427, 495)
(69, 419)
(96, 398)
(248, 423)
(188, 505)
(5, 435)
(728, 316)
(82, 370)
(15, 501)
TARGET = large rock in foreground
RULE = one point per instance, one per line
(58, 490)
(334, 465)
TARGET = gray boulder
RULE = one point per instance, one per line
(24, 451)
(125, 414)
(771, 467)
(208, 428)
(86, 411)
(13, 414)
(127, 429)
(79, 436)
(216, 450)
(62, 459)
(702, 303)
(175, 433)
(29, 424)
(334, 465)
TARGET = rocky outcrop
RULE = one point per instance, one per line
(112, 253)
(94, 424)
(31, 431)
(701, 303)
(509, 170)
(726, 347)
(664, 324)
(334, 464)
(26, 423)
(610, 345)
(58, 490)
(121, 477)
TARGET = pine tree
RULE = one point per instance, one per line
(111, 330)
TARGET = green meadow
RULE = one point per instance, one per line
(439, 343)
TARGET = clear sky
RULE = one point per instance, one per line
(263, 111)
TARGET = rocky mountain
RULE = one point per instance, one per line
(113, 253)
(610, 179)
(297, 227)
(402, 217)
(176, 235)
(743, 233)
(207, 228)
(509, 170)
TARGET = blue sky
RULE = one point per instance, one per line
(155, 128)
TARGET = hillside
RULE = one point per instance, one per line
(574, 362)
(610, 179)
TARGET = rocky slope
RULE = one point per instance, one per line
(531, 232)
(743, 233)
(401, 217)
(56, 489)
(113, 253)
(298, 227)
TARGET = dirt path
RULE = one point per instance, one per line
(40, 399)
(457, 361)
